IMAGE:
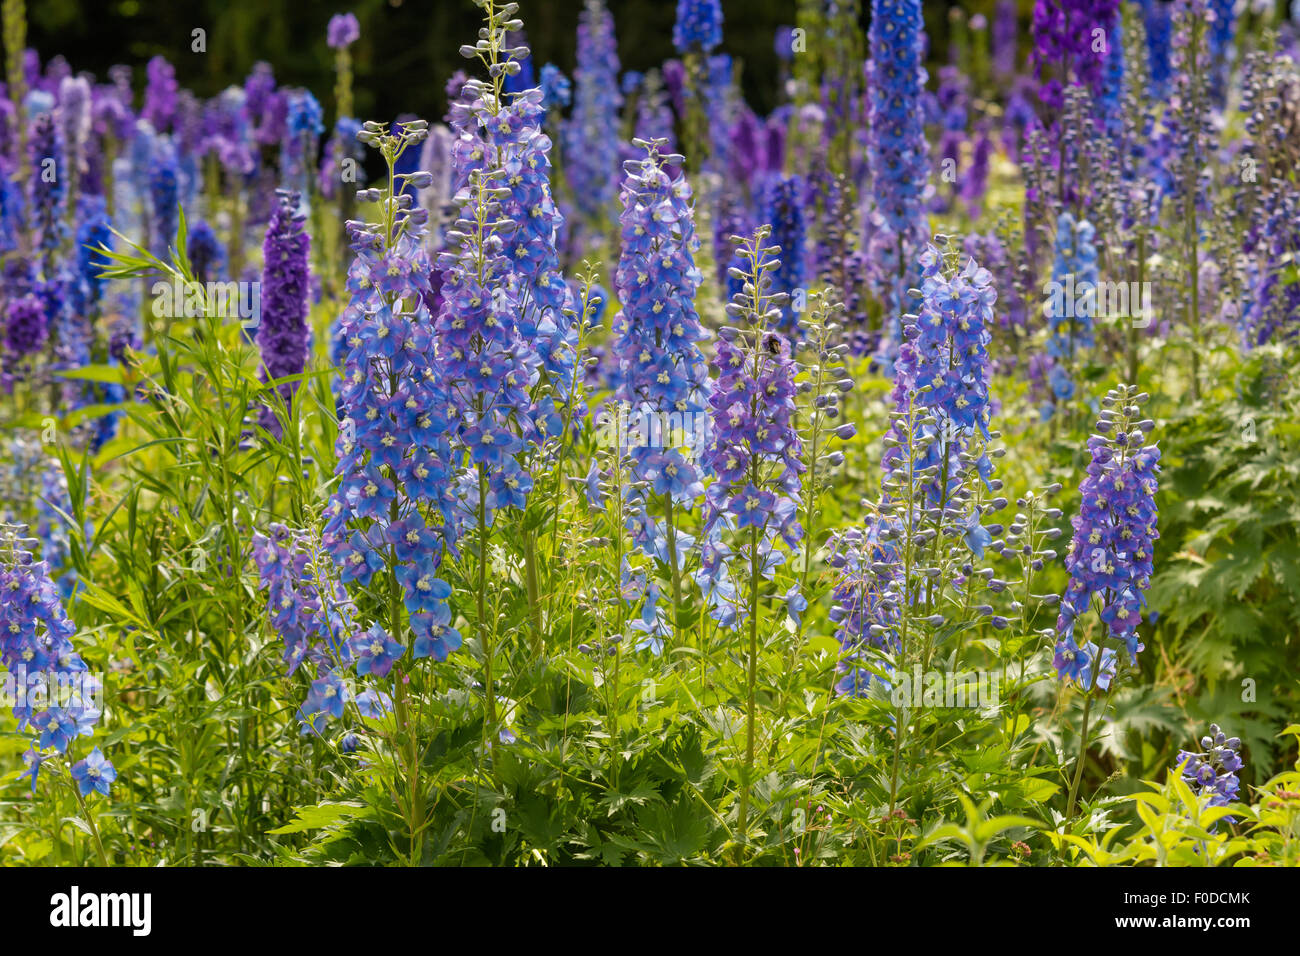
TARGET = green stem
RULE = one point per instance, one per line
(755, 572)
(90, 821)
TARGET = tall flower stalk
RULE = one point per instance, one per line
(283, 334)
(662, 372)
(756, 458)
(1110, 559)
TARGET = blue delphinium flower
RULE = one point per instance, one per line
(1111, 555)
(897, 152)
(504, 326)
(557, 91)
(755, 453)
(283, 334)
(93, 774)
(164, 197)
(698, 25)
(662, 372)
(789, 235)
(864, 621)
(1223, 32)
(1159, 29)
(1213, 769)
(592, 134)
(943, 368)
(36, 643)
(306, 604)
(304, 125)
(94, 233)
(395, 507)
(1071, 307)
(657, 332)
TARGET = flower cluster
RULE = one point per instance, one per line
(657, 333)
(160, 94)
(943, 370)
(865, 618)
(58, 700)
(308, 608)
(755, 452)
(1070, 309)
(394, 509)
(1213, 769)
(283, 334)
(789, 234)
(897, 149)
(503, 326)
(698, 25)
(1110, 555)
(1065, 51)
(343, 31)
(592, 135)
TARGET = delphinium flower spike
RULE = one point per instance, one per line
(662, 372)
(283, 334)
(1110, 559)
(755, 456)
(897, 151)
(1212, 770)
(60, 700)
(592, 134)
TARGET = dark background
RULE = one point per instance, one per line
(407, 48)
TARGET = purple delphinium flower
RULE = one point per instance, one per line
(1110, 556)
(160, 95)
(1213, 769)
(75, 119)
(1003, 37)
(26, 330)
(206, 253)
(283, 334)
(1066, 50)
(48, 200)
(264, 109)
(343, 31)
(755, 452)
